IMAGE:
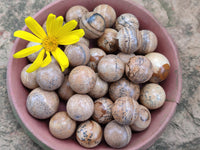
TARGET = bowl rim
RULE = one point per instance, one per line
(152, 139)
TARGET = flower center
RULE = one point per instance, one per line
(50, 43)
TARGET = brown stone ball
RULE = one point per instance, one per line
(82, 79)
(61, 125)
(89, 134)
(110, 68)
(122, 88)
(117, 135)
(139, 69)
(108, 41)
(125, 57)
(80, 107)
(42, 104)
(102, 110)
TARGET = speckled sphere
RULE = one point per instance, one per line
(80, 107)
(117, 135)
(108, 41)
(89, 134)
(33, 56)
(149, 42)
(93, 24)
(95, 56)
(143, 120)
(75, 13)
(78, 54)
(108, 14)
(129, 40)
(61, 125)
(50, 77)
(161, 66)
(102, 110)
(152, 96)
(84, 41)
(126, 20)
(124, 111)
(65, 91)
(100, 89)
(125, 57)
(42, 104)
(123, 88)
(29, 79)
(139, 69)
(82, 79)
(110, 68)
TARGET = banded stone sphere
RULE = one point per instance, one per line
(117, 135)
(129, 40)
(139, 69)
(93, 24)
(61, 125)
(80, 107)
(110, 68)
(152, 96)
(42, 104)
(126, 20)
(84, 41)
(108, 41)
(89, 134)
(78, 54)
(82, 79)
(149, 42)
(108, 14)
(161, 66)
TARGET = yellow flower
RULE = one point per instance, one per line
(57, 34)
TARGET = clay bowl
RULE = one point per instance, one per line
(38, 130)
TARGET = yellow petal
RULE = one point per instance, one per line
(27, 36)
(37, 63)
(69, 26)
(50, 24)
(27, 51)
(79, 32)
(69, 39)
(61, 58)
(47, 60)
(58, 24)
(35, 27)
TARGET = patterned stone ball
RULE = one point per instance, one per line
(139, 69)
(149, 42)
(117, 135)
(93, 24)
(110, 68)
(89, 134)
(75, 13)
(61, 125)
(33, 56)
(143, 120)
(82, 79)
(102, 110)
(29, 79)
(78, 54)
(126, 20)
(100, 89)
(123, 88)
(50, 77)
(108, 14)
(125, 57)
(129, 40)
(108, 41)
(124, 111)
(80, 107)
(42, 104)
(152, 96)
(65, 91)
(84, 41)
(161, 66)
(95, 56)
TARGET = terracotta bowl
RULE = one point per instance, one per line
(38, 130)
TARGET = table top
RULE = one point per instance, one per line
(182, 21)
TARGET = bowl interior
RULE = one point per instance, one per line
(38, 129)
